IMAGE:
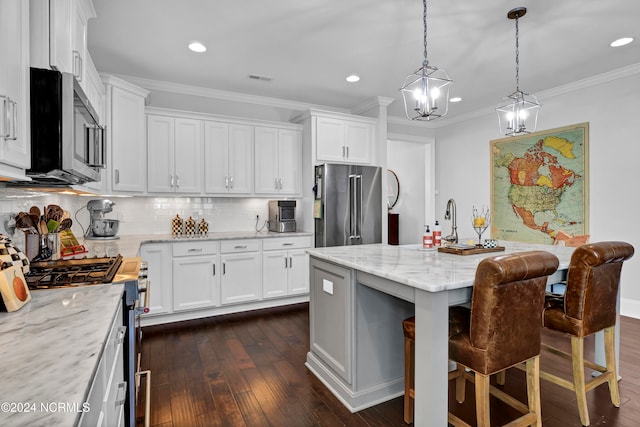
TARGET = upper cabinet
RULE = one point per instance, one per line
(228, 158)
(174, 154)
(278, 154)
(126, 143)
(340, 138)
(14, 89)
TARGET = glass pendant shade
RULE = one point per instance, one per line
(518, 114)
(426, 93)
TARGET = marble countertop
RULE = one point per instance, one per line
(129, 245)
(50, 349)
(425, 269)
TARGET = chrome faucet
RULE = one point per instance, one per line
(451, 214)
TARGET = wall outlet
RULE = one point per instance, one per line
(327, 286)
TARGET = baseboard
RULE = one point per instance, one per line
(630, 308)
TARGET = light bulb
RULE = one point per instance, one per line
(435, 92)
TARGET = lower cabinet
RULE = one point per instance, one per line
(196, 279)
(108, 391)
(285, 266)
(241, 268)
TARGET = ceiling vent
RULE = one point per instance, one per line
(261, 78)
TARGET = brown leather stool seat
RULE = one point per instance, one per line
(502, 329)
(588, 306)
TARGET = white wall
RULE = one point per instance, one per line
(611, 108)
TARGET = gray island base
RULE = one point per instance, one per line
(358, 299)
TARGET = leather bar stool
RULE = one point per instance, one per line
(502, 329)
(588, 306)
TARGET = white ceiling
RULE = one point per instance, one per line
(308, 47)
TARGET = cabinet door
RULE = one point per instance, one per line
(330, 142)
(160, 158)
(290, 162)
(298, 272)
(216, 155)
(275, 266)
(267, 160)
(359, 139)
(61, 36)
(240, 159)
(79, 48)
(195, 282)
(158, 257)
(241, 277)
(188, 156)
(127, 129)
(14, 83)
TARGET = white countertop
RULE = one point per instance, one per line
(429, 269)
(49, 351)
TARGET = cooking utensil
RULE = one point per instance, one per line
(65, 224)
(42, 227)
(25, 222)
(34, 210)
(54, 212)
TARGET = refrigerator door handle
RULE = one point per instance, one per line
(352, 207)
(358, 206)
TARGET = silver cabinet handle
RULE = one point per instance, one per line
(287, 244)
(224, 268)
(275, 183)
(77, 65)
(226, 182)
(117, 176)
(214, 269)
(343, 152)
(347, 152)
(178, 181)
(231, 181)
(171, 180)
(290, 262)
(240, 247)
(14, 120)
(122, 331)
(194, 250)
(122, 393)
(4, 117)
(285, 262)
(280, 183)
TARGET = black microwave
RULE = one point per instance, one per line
(67, 141)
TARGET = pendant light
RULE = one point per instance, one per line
(518, 113)
(426, 92)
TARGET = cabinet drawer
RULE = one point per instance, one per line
(195, 248)
(235, 246)
(279, 243)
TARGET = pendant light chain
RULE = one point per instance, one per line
(424, 21)
(517, 58)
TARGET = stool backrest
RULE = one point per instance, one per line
(506, 306)
(592, 284)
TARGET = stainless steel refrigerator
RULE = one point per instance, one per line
(347, 205)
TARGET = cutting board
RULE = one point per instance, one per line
(468, 250)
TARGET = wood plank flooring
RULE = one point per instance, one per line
(248, 370)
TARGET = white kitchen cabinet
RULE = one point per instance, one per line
(94, 89)
(14, 89)
(107, 394)
(126, 143)
(228, 158)
(241, 265)
(196, 275)
(278, 164)
(344, 140)
(174, 154)
(159, 259)
(285, 266)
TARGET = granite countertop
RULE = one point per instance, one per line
(128, 245)
(425, 269)
(50, 350)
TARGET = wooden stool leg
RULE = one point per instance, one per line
(610, 356)
(409, 372)
(501, 377)
(461, 383)
(577, 360)
(482, 400)
(533, 387)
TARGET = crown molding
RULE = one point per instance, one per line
(374, 102)
(225, 95)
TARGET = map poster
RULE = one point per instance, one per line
(539, 185)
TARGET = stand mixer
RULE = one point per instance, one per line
(101, 228)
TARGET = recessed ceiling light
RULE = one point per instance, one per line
(353, 78)
(621, 42)
(455, 99)
(197, 47)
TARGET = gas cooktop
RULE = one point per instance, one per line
(74, 272)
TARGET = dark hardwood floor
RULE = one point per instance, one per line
(248, 370)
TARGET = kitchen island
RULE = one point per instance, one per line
(50, 350)
(358, 299)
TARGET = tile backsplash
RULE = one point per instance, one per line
(148, 215)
